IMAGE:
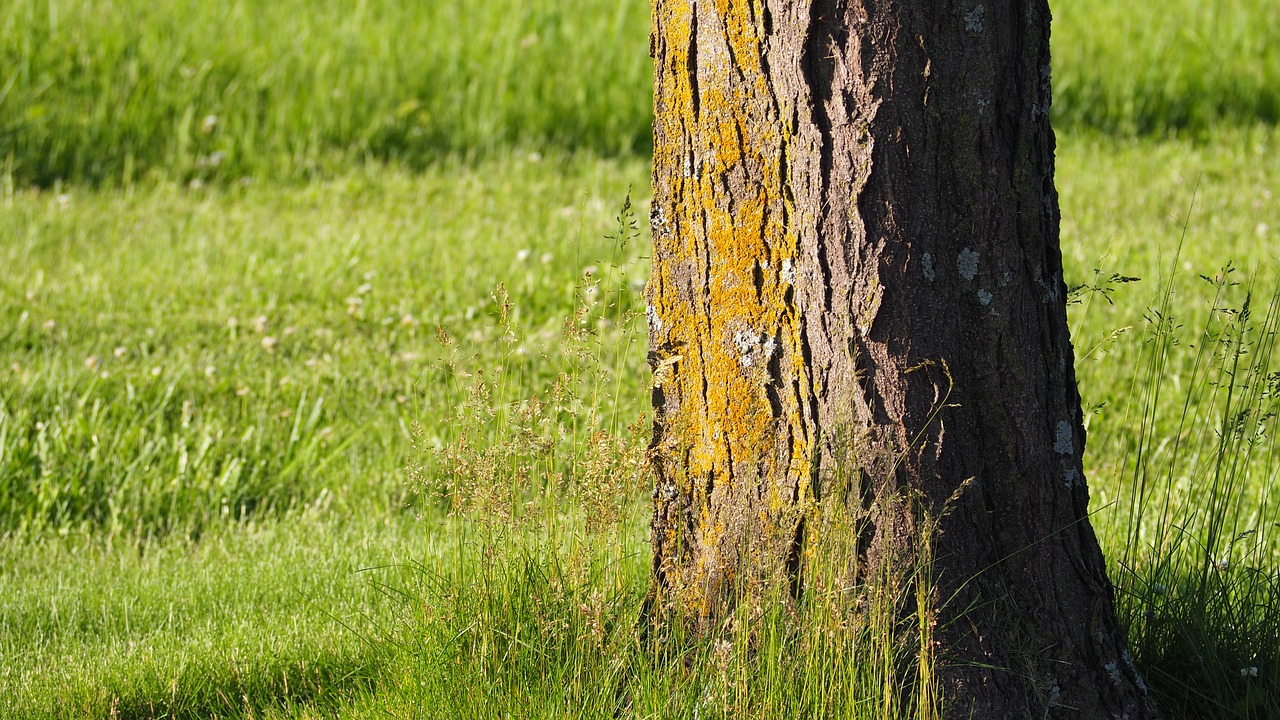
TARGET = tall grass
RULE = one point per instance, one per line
(106, 90)
(114, 90)
(545, 618)
(171, 358)
(1195, 537)
(1146, 67)
(540, 611)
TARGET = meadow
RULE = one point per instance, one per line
(282, 284)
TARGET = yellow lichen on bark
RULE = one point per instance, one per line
(724, 263)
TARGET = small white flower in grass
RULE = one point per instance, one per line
(242, 391)
(269, 343)
(260, 324)
(1223, 564)
(210, 371)
(155, 371)
(120, 352)
(547, 258)
(522, 255)
(64, 200)
(93, 362)
(364, 289)
(209, 124)
(48, 325)
(1249, 672)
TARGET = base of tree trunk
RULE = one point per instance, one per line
(857, 300)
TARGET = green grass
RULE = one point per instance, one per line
(1187, 65)
(109, 90)
(249, 619)
(114, 90)
(106, 526)
(172, 357)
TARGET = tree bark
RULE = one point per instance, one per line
(857, 291)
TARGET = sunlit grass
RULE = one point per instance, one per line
(173, 357)
(124, 574)
(116, 90)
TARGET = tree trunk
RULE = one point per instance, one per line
(857, 288)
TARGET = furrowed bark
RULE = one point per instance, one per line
(857, 290)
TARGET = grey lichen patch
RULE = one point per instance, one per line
(788, 271)
(1050, 291)
(973, 19)
(769, 347)
(926, 264)
(745, 342)
(1070, 478)
(1063, 442)
(1055, 691)
(1113, 671)
(655, 322)
(752, 347)
(984, 297)
(1137, 676)
(658, 221)
(967, 263)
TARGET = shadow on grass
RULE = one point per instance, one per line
(289, 686)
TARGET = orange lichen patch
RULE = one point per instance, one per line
(720, 290)
(743, 32)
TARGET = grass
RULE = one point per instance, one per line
(247, 620)
(1181, 66)
(275, 348)
(109, 91)
(241, 476)
(163, 267)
